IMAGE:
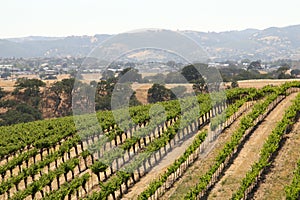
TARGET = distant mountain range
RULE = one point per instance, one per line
(268, 44)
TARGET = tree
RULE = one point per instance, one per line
(295, 72)
(2, 93)
(24, 108)
(104, 91)
(14, 117)
(107, 74)
(254, 65)
(282, 75)
(234, 84)
(106, 88)
(31, 86)
(63, 96)
(28, 90)
(18, 112)
(103, 103)
(192, 72)
(5, 75)
(200, 87)
(230, 74)
(283, 69)
(159, 93)
(282, 72)
(130, 75)
(133, 101)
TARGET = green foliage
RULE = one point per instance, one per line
(192, 73)
(130, 75)
(295, 72)
(269, 148)
(18, 113)
(2, 93)
(254, 65)
(293, 190)
(45, 179)
(283, 68)
(158, 93)
(31, 86)
(188, 115)
(24, 108)
(154, 185)
(68, 188)
(106, 88)
(133, 101)
(38, 166)
(283, 75)
(62, 95)
(246, 122)
(235, 74)
(45, 134)
(21, 113)
(234, 84)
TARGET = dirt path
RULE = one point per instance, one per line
(281, 171)
(249, 153)
(202, 165)
(161, 167)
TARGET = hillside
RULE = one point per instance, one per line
(268, 44)
(155, 156)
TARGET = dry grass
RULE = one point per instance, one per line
(281, 170)
(263, 82)
(249, 154)
(142, 90)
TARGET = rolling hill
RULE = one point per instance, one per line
(268, 44)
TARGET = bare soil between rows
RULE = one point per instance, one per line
(202, 165)
(249, 154)
(280, 173)
(160, 168)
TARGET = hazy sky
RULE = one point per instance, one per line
(89, 17)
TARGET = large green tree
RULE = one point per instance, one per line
(28, 91)
(18, 112)
(31, 86)
(192, 73)
(62, 97)
(159, 93)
